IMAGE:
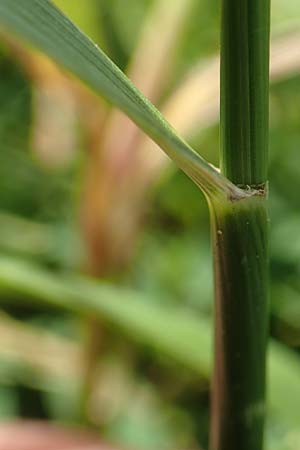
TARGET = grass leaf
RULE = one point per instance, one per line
(41, 24)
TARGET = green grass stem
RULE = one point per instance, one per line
(240, 231)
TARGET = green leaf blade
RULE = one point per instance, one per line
(41, 24)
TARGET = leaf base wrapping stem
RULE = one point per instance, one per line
(240, 243)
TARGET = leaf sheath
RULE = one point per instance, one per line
(240, 242)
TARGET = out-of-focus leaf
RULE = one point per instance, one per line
(124, 309)
(285, 308)
(56, 243)
(285, 239)
(22, 235)
(174, 332)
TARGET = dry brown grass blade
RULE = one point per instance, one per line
(111, 211)
(194, 106)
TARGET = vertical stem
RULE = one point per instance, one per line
(240, 238)
(240, 231)
(244, 90)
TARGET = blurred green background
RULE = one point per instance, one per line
(106, 281)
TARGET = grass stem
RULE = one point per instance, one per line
(240, 231)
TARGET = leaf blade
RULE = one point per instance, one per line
(40, 23)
